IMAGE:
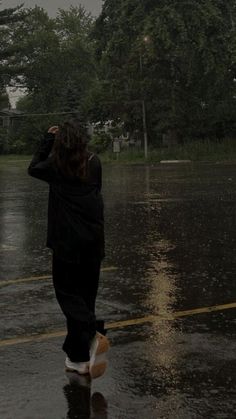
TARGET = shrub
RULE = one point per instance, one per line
(4, 143)
(100, 142)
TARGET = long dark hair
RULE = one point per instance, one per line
(70, 149)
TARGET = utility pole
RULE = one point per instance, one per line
(144, 112)
(145, 134)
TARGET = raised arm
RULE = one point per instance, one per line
(40, 166)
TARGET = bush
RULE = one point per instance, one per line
(18, 147)
(100, 142)
(28, 134)
(4, 143)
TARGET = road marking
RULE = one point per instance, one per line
(175, 161)
(158, 200)
(22, 280)
(30, 339)
(121, 324)
(170, 316)
(43, 278)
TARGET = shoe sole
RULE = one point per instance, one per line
(68, 369)
(103, 344)
(97, 370)
(99, 365)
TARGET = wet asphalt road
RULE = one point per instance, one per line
(171, 235)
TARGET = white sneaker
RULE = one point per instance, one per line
(98, 360)
(80, 367)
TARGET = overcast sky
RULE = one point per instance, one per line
(93, 6)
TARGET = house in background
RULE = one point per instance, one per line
(10, 119)
(117, 133)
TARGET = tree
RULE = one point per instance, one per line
(57, 58)
(76, 51)
(8, 67)
(191, 42)
(177, 56)
(57, 68)
(4, 99)
(38, 58)
(8, 45)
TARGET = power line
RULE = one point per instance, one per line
(74, 112)
(39, 114)
(14, 96)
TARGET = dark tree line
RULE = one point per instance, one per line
(179, 57)
(188, 57)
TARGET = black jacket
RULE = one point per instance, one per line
(75, 208)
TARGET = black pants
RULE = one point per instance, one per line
(76, 286)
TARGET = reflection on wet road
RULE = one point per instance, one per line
(171, 236)
(81, 402)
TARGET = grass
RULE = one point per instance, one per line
(9, 157)
(195, 151)
(13, 158)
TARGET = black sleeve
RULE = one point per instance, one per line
(40, 166)
(95, 170)
(99, 174)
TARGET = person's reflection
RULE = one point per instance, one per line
(80, 403)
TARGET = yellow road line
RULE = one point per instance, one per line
(30, 339)
(170, 316)
(121, 324)
(211, 309)
(42, 278)
(22, 280)
(109, 269)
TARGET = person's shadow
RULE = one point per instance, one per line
(81, 405)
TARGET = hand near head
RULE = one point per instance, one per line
(53, 130)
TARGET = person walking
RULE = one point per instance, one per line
(76, 236)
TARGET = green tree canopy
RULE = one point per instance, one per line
(57, 58)
(9, 66)
(4, 99)
(178, 56)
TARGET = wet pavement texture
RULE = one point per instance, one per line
(170, 233)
